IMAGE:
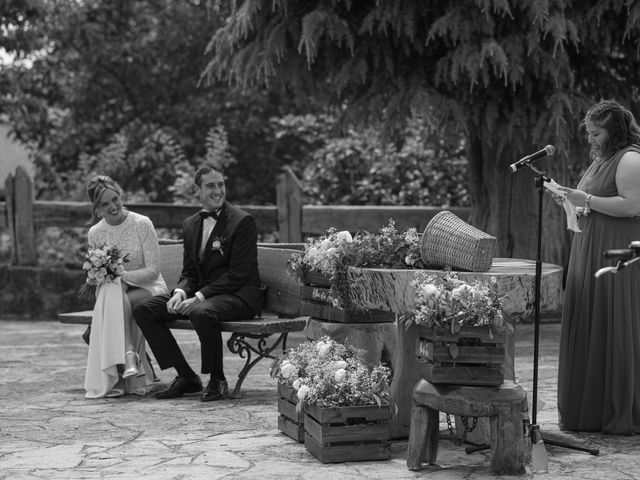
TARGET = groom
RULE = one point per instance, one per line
(219, 282)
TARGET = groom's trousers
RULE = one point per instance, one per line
(152, 317)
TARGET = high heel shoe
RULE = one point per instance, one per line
(131, 365)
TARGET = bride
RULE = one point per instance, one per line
(117, 361)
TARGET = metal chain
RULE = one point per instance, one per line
(466, 429)
(465, 423)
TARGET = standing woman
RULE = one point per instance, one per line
(117, 361)
(599, 367)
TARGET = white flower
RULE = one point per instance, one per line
(478, 295)
(344, 236)
(339, 375)
(303, 392)
(297, 384)
(462, 290)
(323, 348)
(340, 364)
(287, 369)
(409, 260)
(429, 290)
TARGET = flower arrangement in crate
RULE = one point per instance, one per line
(332, 254)
(340, 394)
(461, 329)
(329, 373)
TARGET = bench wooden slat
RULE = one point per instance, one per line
(259, 325)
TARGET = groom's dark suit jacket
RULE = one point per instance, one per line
(231, 269)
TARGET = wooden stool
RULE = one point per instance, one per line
(503, 404)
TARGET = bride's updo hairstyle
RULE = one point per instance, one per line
(96, 187)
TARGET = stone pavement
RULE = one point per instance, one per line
(48, 430)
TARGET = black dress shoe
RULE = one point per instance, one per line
(216, 390)
(181, 386)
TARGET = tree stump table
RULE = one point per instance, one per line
(391, 290)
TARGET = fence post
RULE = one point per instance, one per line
(289, 202)
(19, 193)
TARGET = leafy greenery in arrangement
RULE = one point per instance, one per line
(329, 374)
(333, 253)
(447, 302)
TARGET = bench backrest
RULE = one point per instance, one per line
(283, 290)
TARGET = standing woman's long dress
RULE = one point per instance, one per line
(599, 366)
(136, 236)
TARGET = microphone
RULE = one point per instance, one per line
(523, 162)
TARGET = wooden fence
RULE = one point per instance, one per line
(21, 216)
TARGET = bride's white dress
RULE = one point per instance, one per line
(136, 236)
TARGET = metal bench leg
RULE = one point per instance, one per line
(239, 345)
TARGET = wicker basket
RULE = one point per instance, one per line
(450, 242)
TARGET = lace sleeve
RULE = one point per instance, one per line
(150, 253)
(91, 236)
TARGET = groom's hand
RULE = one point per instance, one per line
(174, 302)
(187, 306)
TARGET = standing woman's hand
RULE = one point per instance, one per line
(577, 198)
(559, 199)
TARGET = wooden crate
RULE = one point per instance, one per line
(313, 285)
(348, 434)
(290, 422)
(470, 357)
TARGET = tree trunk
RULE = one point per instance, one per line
(505, 204)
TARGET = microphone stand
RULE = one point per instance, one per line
(538, 437)
(536, 434)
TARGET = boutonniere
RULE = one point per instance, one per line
(216, 245)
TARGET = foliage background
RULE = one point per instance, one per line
(388, 103)
(113, 87)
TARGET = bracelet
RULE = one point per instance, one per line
(587, 202)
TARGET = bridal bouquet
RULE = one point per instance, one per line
(103, 264)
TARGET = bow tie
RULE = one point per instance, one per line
(204, 214)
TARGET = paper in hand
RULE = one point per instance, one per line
(569, 208)
(554, 187)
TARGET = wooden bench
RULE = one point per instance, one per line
(281, 310)
(504, 404)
